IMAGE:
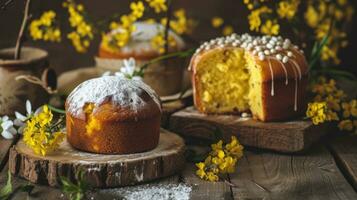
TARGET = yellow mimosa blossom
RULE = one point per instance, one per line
(158, 42)
(288, 8)
(40, 133)
(317, 111)
(217, 22)
(137, 9)
(270, 28)
(227, 30)
(312, 16)
(221, 160)
(82, 33)
(345, 125)
(254, 17)
(158, 5)
(44, 28)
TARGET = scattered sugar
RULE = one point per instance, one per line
(121, 91)
(146, 192)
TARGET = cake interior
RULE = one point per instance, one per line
(230, 82)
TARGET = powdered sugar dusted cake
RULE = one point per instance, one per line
(120, 91)
(113, 114)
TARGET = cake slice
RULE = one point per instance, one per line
(266, 76)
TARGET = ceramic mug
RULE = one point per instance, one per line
(14, 93)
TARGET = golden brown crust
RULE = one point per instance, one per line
(122, 130)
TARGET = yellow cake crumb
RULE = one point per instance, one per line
(92, 123)
(230, 81)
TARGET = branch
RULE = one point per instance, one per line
(22, 30)
(4, 5)
(167, 26)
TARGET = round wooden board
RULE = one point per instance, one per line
(100, 170)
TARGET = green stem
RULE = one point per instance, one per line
(57, 110)
(180, 54)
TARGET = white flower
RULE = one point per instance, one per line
(7, 128)
(107, 73)
(128, 70)
(21, 119)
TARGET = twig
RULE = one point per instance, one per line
(5, 4)
(22, 30)
(167, 26)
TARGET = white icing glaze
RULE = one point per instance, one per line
(141, 38)
(121, 91)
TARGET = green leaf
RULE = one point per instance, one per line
(57, 110)
(6, 191)
(316, 51)
(75, 191)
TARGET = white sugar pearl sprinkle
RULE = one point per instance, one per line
(279, 57)
(285, 59)
(266, 52)
(290, 54)
(261, 57)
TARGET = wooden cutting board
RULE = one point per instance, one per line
(290, 136)
(100, 170)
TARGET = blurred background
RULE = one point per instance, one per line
(63, 56)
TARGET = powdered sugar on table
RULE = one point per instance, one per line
(121, 91)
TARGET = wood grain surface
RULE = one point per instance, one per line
(291, 136)
(100, 170)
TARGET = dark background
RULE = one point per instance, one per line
(63, 57)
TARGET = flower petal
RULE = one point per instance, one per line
(28, 107)
(7, 124)
(7, 135)
(20, 116)
(38, 110)
(5, 118)
(21, 129)
(12, 130)
(18, 122)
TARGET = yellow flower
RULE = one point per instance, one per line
(270, 28)
(346, 125)
(212, 177)
(288, 9)
(317, 111)
(158, 5)
(137, 9)
(82, 32)
(221, 160)
(312, 16)
(254, 17)
(217, 22)
(350, 109)
(227, 30)
(44, 28)
(41, 135)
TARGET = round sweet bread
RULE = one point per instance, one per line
(140, 46)
(113, 115)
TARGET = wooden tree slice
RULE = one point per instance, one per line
(100, 170)
(290, 136)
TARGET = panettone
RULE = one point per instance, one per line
(113, 115)
(264, 75)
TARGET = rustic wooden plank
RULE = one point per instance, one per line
(275, 176)
(4, 150)
(42, 192)
(100, 170)
(291, 136)
(204, 189)
(344, 150)
(168, 109)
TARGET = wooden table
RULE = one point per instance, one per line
(326, 171)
